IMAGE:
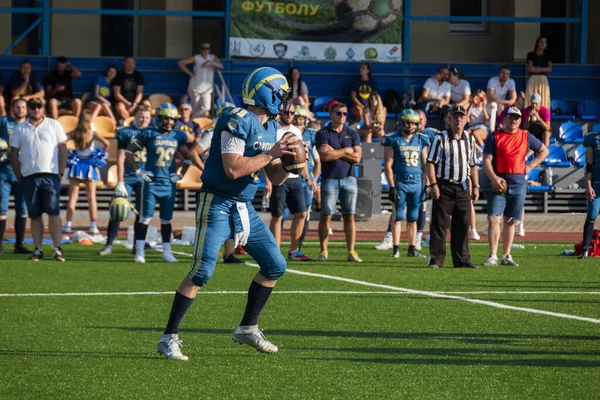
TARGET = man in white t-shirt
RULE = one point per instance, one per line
(39, 158)
(200, 87)
(436, 92)
(501, 89)
(290, 194)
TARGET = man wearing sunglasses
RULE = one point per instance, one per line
(339, 149)
(200, 87)
(290, 193)
(504, 163)
(39, 158)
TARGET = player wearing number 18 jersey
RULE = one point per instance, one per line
(159, 175)
(404, 158)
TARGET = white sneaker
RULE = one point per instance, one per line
(139, 258)
(168, 257)
(171, 349)
(492, 261)
(255, 339)
(386, 243)
(66, 229)
(474, 235)
(94, 230)
(508, 260)
(520, 230)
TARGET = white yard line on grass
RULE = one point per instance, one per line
(433, 294)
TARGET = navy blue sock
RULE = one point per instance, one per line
(257, 298)
(113, 231)
(20, 225)
(140, 231)
(588, 232)
(2, 229)
(180, 306)
(422, 219)
(165, 233)
(303, 236)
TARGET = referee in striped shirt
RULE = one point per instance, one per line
(454, 178)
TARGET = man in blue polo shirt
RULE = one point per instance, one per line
(339, 149)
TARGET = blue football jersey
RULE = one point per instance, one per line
(592, 141)
(7, 126)
(309, 138)
(124, 136)
(160, 152)
(244, 125)
(407, 153)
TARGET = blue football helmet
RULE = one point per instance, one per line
(409, 115)
(165, 111)
(266, 88)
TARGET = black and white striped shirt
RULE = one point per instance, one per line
(453, 158)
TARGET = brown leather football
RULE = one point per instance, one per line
(502, 188)
(295, 163)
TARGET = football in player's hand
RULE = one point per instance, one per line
(295, 163)
(502, 188)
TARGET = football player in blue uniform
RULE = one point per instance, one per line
(159, 176)
(8, 180)
(592, 190)
(240, 149)
(128, 181)
(404, 157)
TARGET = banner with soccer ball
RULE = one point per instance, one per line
(335, 30)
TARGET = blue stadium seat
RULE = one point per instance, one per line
(534, 175)
(319, 106)
(384, 182)
(529, 159)
(557, 157)
(596, 127)
(560, 110)
(579, 157)
(570, 132)
(261, 181)
(588, 110)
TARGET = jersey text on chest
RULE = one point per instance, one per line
(262, 146)
(165, 142)
(405, 147)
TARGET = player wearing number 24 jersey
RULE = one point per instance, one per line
(404, 157)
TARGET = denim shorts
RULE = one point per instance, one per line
(509, 204)
(345, 189)
(290, 194)
(593, 207)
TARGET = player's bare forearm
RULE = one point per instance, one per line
(236, 165)
(431, 173)
(327, 153)
(62, 157)
(487, 166)
(355, 156)
(475, 175)
(14, 162)
(275, 173)
(121, 165)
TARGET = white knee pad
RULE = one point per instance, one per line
(165, 222)
(145, 221)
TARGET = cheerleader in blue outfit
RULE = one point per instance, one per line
(84, 163)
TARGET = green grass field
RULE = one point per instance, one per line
(340, 339)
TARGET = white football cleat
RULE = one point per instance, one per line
(255, 339)
(474, 235)
(169, 257)
(386, 243)
(139, 258)
(171, 349)
(520, 230)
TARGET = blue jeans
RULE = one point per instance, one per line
(345, 189)
(8, 184)
(509, 204)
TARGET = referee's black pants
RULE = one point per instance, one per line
(454, 202)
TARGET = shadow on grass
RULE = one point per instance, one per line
(477, 338)
(76, 354)
(552, 363)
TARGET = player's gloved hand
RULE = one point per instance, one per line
(393, 194)
(145, 175)
(121, 190)
(176, 177)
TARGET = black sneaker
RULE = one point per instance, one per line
(584, 254)
(415, 253)
(58, 254)
(231, 259)
(37, 255)
(467, 265)
(20, 249)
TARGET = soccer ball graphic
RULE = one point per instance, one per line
(367, 15)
